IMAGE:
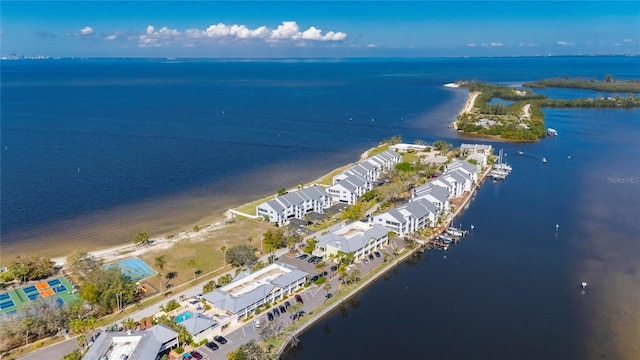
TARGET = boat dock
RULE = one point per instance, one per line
(438, 244)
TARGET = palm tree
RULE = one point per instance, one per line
(159, 276)
(224, 253)
(192, 265)
(160, 262)
(91, 324)
(82, 339)
(129, 324)
(327, 288)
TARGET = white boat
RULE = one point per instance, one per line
(520, 152)
(552, 132)
(544, 160)
(583, 284)
(454, 232)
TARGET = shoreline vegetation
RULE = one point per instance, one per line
(523, 120)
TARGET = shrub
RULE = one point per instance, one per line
(179, 350)
(320, 280)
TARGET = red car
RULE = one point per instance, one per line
(299, 299)
(196, 355)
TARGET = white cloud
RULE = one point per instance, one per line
(471, 45)
(158, 38)
(286, 31)
(564, 43)
(495, 44)
(628, 40)
(87, 30)
(371, 45)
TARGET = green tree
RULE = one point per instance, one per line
(241, 255)
(82, 340)
(311, 245)
(369, 195)
(141, 238)
(442, 146)
(89, 291)
(31, 268)
(327, 287)
(192, 264)
(282, 191)
(209, 286)
(225, 279)
(274, 239)
(82, 263)
(224, 254)
(74, 355)
(160, 262)
(396, 139)
(129, 324)
(354, 212)
(404, 167)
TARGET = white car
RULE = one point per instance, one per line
(256, 323)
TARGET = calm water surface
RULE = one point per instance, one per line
(94, 151)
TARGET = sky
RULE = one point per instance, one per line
(290, 29)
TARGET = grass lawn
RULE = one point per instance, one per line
(206, 253)
(250, 208)
(410, 157)
(379, 149)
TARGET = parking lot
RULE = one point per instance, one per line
(312, 297)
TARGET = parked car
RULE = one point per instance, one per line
(297, 315)
(299, 299)
(212, 346)
(315, 278)
(283, 309)
(220, 339)
(304, 256)
(377, 253)
(329, 296)
(287, 304)
(256, 323)
(366, 261)
(276, 312)
(312, 259)
(334, 268)
(269, 316)
(196, 355)
(370, 256)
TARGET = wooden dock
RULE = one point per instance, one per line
(438, 243)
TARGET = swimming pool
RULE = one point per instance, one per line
(183, 316)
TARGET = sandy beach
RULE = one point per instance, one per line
(112, 230)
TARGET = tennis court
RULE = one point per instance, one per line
(59, 288)
(134, 268)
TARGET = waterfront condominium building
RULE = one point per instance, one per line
(295, 204)
(251, 289)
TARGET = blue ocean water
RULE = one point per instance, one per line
(80, 136)
(123, 142)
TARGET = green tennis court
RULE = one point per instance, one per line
(59, 288)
